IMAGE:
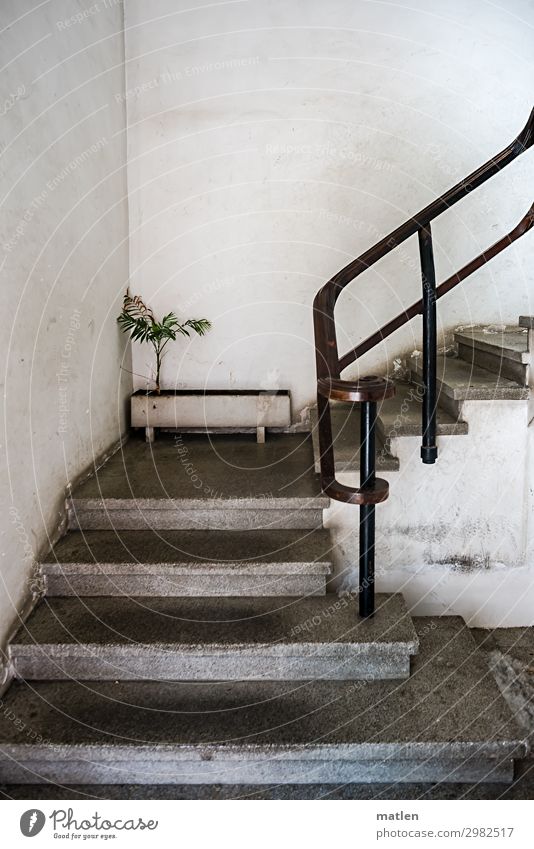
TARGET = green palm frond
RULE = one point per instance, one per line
(137, 319)
(140, 329)
(199, 325)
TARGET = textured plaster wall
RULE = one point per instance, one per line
(270, 142)
(455, 537)
(63, 266)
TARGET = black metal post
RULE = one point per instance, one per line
(429, 451)
(367, 511)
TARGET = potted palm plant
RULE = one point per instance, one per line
(157, 407)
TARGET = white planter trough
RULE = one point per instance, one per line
(191, 409)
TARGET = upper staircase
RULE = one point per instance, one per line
(482, 363)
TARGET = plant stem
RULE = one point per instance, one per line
(158, 369)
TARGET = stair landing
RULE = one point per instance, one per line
(194, 482)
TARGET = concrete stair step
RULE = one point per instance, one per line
(214, 639)
(397, 416)
(500, 349)
(189, 563)
(458, 380)
(448, 722)
(401, 415)
(346, 434)
(217, 514)
(201, 482)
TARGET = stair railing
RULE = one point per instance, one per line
(369, 390)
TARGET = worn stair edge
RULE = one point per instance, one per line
(447, 722)
(194, 579)
(312, 751)
(494, 355)
(277, 569)
(189, 563)
(86, 765)
(214, 639)
(186, 504)
(141, 551)
(496, 343)
(462, 381)
(163, 514)
(233, 663)
(170, 581)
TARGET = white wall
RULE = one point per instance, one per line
(455, 537)
(271, 141)
(64, 266)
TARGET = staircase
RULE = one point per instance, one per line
(485, 363)
(187, 634)
(176, 645)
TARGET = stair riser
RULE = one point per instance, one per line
(295, 663)
(452, 407)
(163, 520)
(201, 585)
(393, 431)
(89, 767)
(342, 466)
(481, 385)
(504, 366)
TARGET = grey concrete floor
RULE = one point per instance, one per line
(224, 468)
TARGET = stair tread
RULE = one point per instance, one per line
(449, 707)
(189, 550)
(346, 434)
(401, 415)
(273, 625)
(463, 381)
(509, 341)
(209, 470)
(397, 416)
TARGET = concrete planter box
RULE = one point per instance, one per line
(191, 409)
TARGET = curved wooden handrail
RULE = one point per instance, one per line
(526, 223)
(328, 364)
(365, 389)
(374, 494)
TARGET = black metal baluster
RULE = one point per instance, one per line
(429, 450)
(367, 511)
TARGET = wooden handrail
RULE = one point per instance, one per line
(328, 363)
(327, 360)
(526, 223)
